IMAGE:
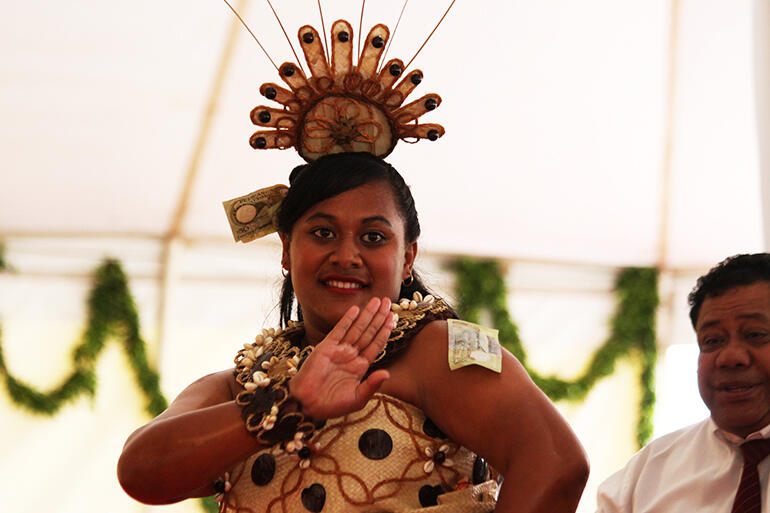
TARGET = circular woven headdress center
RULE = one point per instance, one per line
(343, 124)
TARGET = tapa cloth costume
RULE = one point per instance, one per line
(386, 457)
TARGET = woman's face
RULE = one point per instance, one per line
(345, 250)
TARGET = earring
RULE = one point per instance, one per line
(409, 280)
(285, 272)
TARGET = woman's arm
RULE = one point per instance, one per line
(186, 448)
(505, 419)
(201, 435)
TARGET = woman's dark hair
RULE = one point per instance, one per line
(734, 271)
(329, 176)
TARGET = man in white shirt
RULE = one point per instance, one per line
(699, 468)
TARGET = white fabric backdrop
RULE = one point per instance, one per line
(563, 121)
(558, 115)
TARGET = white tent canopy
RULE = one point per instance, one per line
(581, 137)
(576, 132)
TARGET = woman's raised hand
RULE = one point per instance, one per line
(329, 382)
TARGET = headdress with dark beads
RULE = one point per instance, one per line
(341, 107)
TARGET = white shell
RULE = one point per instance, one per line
(412, 304)
(428, 467)
(250, 387)
(429, 299)
(261, 379)
(417, 296)
(394, 307)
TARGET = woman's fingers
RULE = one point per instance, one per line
(365, 331)
(365, 327)
(343, 325)
(377, 321)
(378, 342)
(357, 329)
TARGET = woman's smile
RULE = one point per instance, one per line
(343, 285)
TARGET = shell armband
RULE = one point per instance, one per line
(264, 369)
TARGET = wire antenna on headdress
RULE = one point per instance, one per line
(360, 27)
(393, 35)
(252, 33)
(323, 29)
(429, 35)
(287, 36)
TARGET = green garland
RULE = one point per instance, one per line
(480, 285)
(111, 313)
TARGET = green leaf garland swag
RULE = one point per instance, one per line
(111, 313)
(480, 285)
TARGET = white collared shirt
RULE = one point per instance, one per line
(697, 468)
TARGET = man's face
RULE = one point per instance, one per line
(734, 364)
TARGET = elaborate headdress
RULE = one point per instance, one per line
(340, 107)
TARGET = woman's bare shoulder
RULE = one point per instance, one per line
(429, 343)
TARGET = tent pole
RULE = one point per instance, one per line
(668, 131)
(761, 88)
(171, 245)
(167, 280)
(666, 289)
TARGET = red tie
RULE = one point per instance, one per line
(749, 499)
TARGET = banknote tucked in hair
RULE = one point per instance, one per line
(254, 215)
